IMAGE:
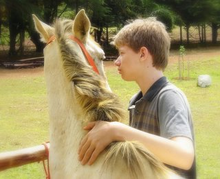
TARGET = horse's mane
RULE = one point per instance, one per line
(136, 157)
(98, 103)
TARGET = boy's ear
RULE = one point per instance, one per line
(144, 53)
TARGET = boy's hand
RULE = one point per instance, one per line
(95, 141)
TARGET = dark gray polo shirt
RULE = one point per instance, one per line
(163, 111)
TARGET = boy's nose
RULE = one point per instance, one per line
(117, 62)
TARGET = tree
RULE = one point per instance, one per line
(16, 22)
(184, 10)
(20, 20)
(196, 13)
(50, 8)
(16, 15)
(100, 17)
(201, 18)
(215, 20)
(164, 15)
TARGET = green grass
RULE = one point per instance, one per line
(24, 118)
(205, 106)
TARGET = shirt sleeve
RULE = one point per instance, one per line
(174, 115)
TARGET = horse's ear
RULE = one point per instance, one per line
(43, 29)
(81, 26)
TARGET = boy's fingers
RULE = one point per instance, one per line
(87, 155)
(89, 126)
(95, 154)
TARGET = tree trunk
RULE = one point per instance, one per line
(77, 6)
(187, 33)
(199, 32)
(99, 35)
(0, 29)
(50, 11)
(35, 38)
(181, 34)
(204, 33)
(21, 43)
(106, 37)
(214, 33)
(13, 33)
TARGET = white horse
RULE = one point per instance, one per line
(77, 94)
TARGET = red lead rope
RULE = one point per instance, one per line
(85, 52)
(46, 168)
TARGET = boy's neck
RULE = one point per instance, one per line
(148, 80)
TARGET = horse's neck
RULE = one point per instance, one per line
(64, 111)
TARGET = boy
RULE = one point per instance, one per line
(160, 116)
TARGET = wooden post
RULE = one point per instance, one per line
(23, 156)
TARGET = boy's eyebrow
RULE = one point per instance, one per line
(120, 51)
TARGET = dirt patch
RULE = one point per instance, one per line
(196, 54)
(21, 73)
(191, 54)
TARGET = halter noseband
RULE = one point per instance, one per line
(85, 52)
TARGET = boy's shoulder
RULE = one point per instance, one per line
(171, 93)
(169, 87)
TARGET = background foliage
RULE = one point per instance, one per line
(16, 21)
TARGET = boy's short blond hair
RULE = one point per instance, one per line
(148, 33)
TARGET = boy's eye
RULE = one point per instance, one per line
(121, 53)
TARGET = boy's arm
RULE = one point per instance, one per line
(178, 151)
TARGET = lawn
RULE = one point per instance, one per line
(24, 117)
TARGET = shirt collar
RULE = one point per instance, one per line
(155, 89)
(152, 92)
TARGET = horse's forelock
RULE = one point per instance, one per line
(64, 25)
(63, 30)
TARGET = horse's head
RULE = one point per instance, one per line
(67, 30)
(71, 81)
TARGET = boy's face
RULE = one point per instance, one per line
(128, 63)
